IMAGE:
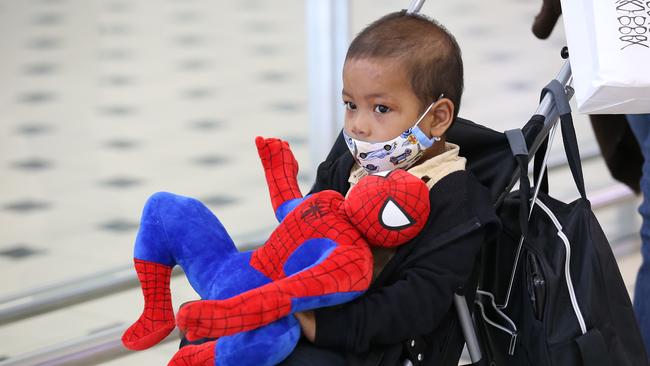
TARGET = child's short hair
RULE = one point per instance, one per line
(428, 51)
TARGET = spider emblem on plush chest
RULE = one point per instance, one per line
(314, 210)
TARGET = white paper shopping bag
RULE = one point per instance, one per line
(609, 50)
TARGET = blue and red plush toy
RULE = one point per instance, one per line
(318, 256)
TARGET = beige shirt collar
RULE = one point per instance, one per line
(435, 168)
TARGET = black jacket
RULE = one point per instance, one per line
(408, 308)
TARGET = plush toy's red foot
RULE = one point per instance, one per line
(199, 355)
(157, 319)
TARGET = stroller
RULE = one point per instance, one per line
(519, 331)
(491, 337)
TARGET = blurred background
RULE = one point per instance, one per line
(104, 102)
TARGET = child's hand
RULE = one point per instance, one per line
(307, 322)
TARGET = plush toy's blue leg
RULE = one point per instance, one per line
(181, 230)
(268, 345)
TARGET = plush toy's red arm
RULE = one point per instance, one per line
(344, 274)
(280, 169)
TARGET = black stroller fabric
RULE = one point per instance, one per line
(488, 153)
(541, 304)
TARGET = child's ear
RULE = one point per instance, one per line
(443, 115)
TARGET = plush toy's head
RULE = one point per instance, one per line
(388, 208)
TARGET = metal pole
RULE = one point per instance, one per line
(88, 350)
(327, 41)
(467, 325)
(49, 298)
(547, 108)
(44, 299)
(415, 6)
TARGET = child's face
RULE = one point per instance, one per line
(379, 101)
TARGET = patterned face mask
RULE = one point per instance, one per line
(401, 152)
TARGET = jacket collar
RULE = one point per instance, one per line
(434, 169)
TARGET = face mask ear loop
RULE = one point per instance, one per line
(424, 114)
(434, 138)
(427, 111)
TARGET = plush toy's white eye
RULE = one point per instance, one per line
(392, 216)
(382, 174)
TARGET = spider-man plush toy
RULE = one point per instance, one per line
(318, 256)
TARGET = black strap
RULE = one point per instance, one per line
(520, 152)
(561, 100)
(593, 349)
(517, 142)
(537, 166)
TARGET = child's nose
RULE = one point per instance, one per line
(359, 128)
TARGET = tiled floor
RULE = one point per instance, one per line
(106, 102)
(103, 102)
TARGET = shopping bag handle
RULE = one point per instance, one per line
(569, 139)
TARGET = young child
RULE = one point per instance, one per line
(403, 80)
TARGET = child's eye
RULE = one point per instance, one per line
(380, 108)
(350, 106)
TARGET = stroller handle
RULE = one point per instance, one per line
(551, 115)
(547, 108)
